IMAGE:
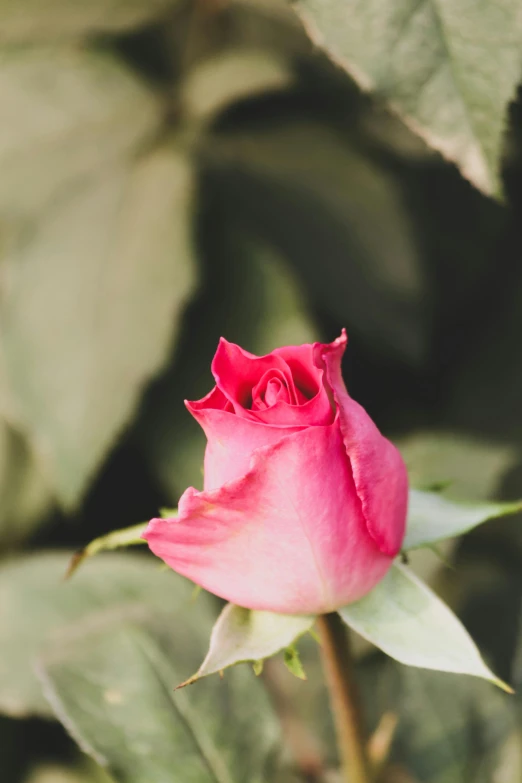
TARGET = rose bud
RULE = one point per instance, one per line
(304, 502)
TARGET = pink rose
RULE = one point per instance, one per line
(304, 505)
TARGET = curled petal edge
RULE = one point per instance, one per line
(379, 473)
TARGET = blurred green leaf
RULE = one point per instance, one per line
(485, 397)
(450, 67)
(338, 217)
(25, 496)
(124, 585)
(231, 76)
(408, 622)
(67, 112)
(54, 773)
(94, 298)
(244, 635)
(449, 728)
(472, 468)
(508, 768)
(432, 517)
(116, 539)
(110, 646)
(12, 744)
(29, 21)
(112, 689)
(260, 38)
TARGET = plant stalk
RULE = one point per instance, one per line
(344, 698)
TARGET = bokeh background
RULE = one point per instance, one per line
(171, 172)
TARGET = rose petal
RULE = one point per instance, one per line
(301, 361)
(231, 440)
(315, 412)
(286, 537)
(215, 399)
(379, 472)
(270, 389)
(275, 391)
(237, 372)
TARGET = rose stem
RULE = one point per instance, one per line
(344, 698)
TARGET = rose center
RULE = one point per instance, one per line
(274, 391)
(272, 388)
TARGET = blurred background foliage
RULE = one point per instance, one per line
(174, 171)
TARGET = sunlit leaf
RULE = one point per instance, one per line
(432, 517)
(80, 772)
(67, 112)
(406, 620)
(450, 67)
(82, 339)
(293, 662)
(223, 79)
(245, 635)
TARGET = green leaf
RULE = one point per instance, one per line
(126, 585)
(82, 339)
(230, 76)
(258, 666)
(25, 497)
(112, 689)
(449, 728)
(293, 662)
(110, 646)
(116, 539)
(83, 771)
(32, 20)
(241, 635)
(432, 517)
(68, 112)
(406, 620)
(128, 536)
(469, 467)
(168, 512)
(450, 67)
